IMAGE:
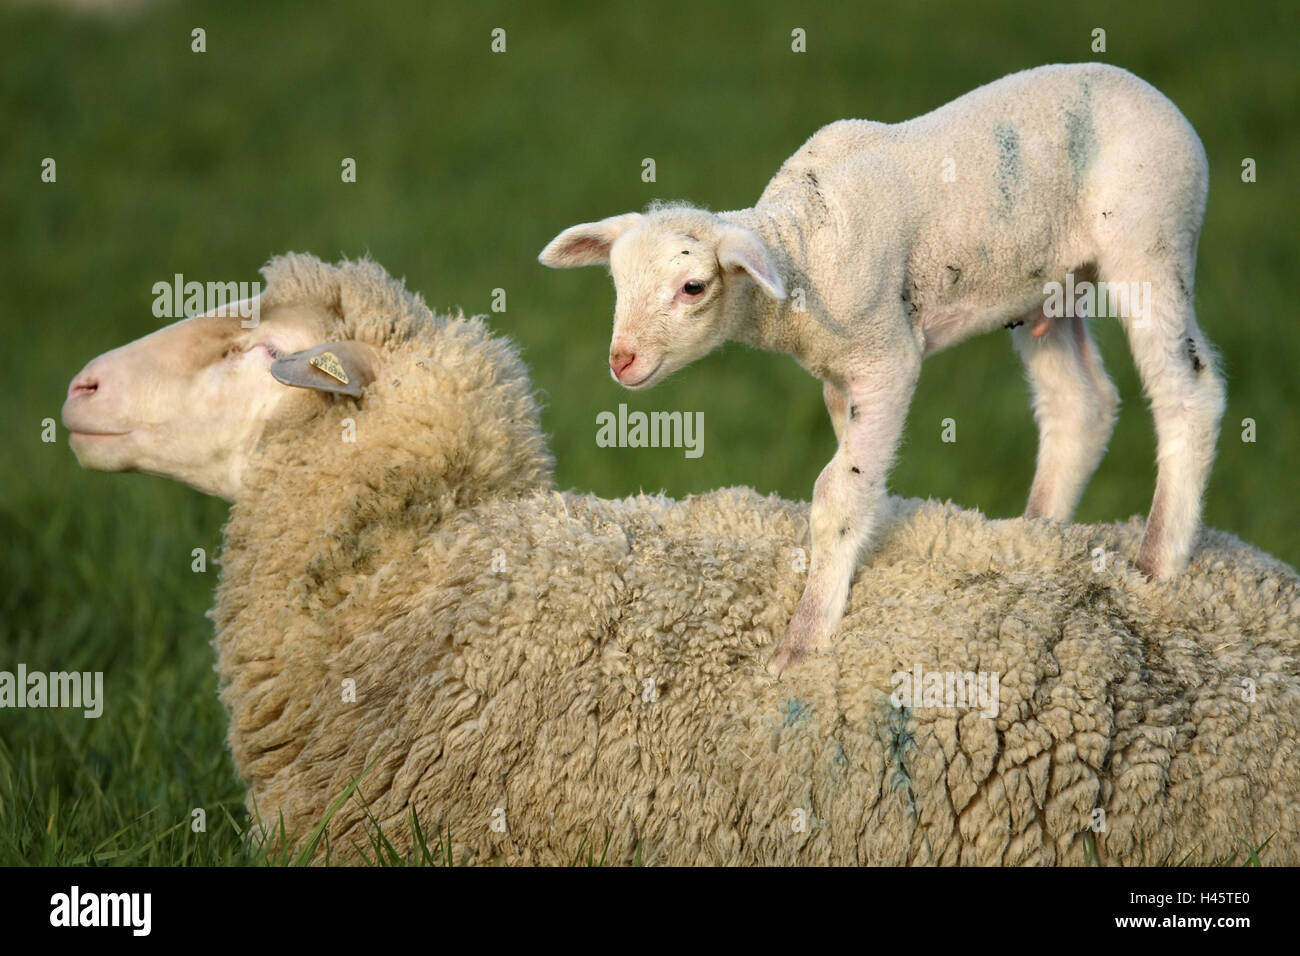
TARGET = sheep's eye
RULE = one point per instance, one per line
(235, 349)
(694, 287)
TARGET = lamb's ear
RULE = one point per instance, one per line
(741, 248)
(587, 244)
(344, 367)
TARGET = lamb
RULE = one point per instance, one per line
(529, 672)
(876, 245)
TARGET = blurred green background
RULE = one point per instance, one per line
(468, 162)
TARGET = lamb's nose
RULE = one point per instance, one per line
(620, 360)
(83, 385)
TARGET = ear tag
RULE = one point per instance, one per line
(329, 363)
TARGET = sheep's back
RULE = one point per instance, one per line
(591, 672)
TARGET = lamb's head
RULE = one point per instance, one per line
(684, 281)
(346, 380)
(191, 401)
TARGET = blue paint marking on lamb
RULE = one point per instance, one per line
(796, 711)
(1008, 171)
(1080, 137)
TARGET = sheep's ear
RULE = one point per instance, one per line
(740, 248)
(344, 367)
(587, 244)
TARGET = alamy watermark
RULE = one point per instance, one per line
(76, 689)
(653, 430)
(179, 299)
(1123, 300)
(129, 910)
(916, 689)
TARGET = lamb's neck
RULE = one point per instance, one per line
(767, 324)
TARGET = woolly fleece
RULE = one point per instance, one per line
(596, 669)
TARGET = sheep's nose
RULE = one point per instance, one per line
(620, 360)
(83, 385)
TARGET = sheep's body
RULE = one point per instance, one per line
(537, 672)
(526, 691)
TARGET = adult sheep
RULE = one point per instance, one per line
(529, 670)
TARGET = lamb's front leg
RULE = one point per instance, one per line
(846, 499)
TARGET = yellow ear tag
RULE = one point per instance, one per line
(329, 363)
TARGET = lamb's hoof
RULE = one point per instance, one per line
(786, 655)
(1150, 567)
(802, 637)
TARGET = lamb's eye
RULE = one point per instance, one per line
(694, 287)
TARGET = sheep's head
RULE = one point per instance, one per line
(190, 401)
(683, 280)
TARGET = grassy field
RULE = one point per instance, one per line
(468, 162)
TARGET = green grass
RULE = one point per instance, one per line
(468, 163)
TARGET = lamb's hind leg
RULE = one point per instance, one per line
(1074, 406)
(1177, 367)
(847, 497)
